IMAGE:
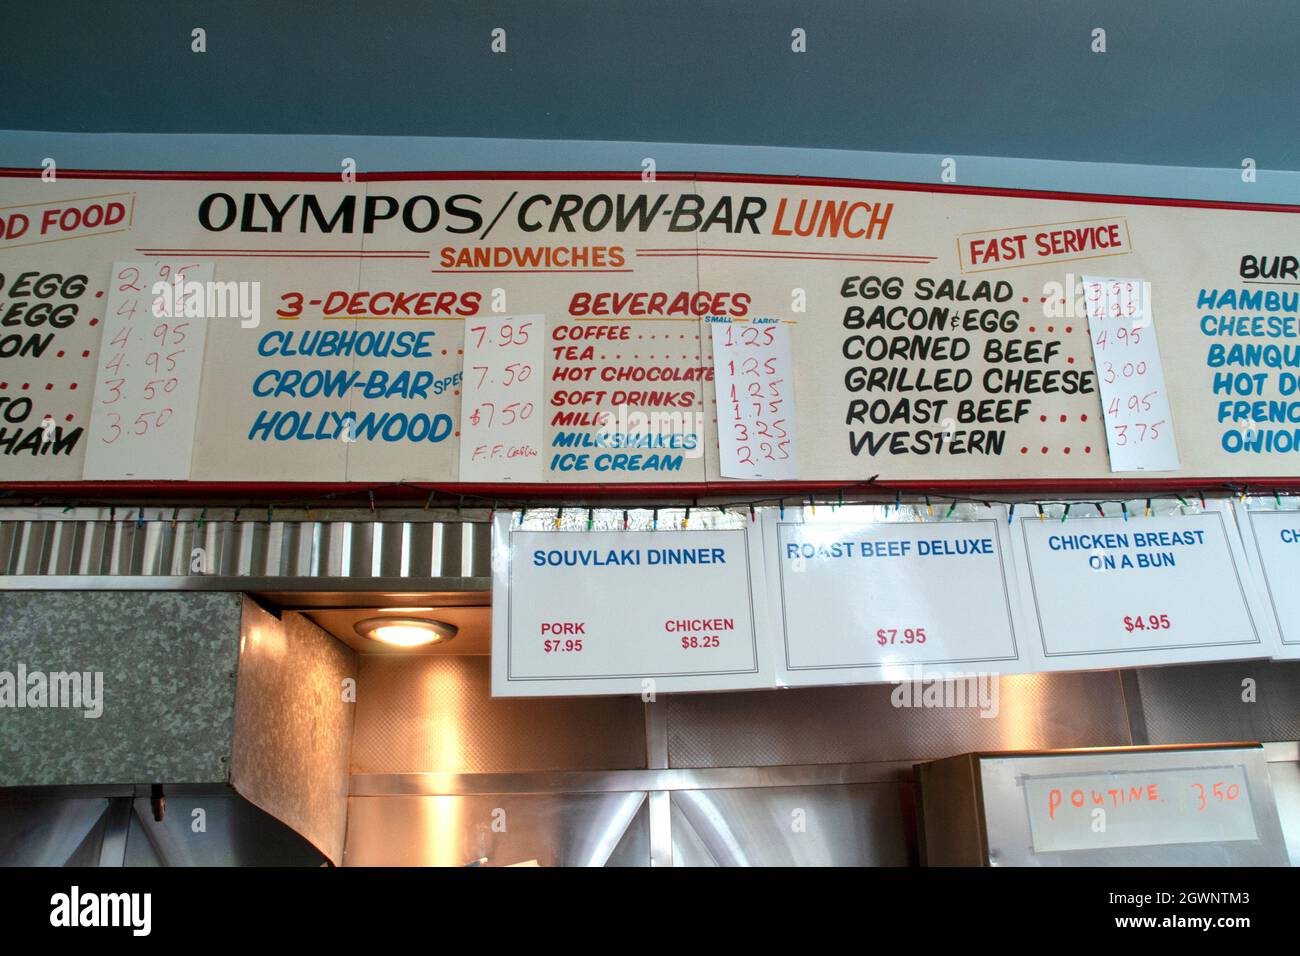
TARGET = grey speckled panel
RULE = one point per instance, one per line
(293, 728)
(168, 661)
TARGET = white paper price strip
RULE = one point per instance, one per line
(148, 371)
(753, 372)
(611, 612)
(861, 601)
(1105, 592)
(501, 401)
(1142, 808)
(1135, 403)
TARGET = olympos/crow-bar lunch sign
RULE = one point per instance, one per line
(604, 329)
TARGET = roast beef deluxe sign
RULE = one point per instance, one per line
(360, 331)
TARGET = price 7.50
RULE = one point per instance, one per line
(486, 414)
(514, 372)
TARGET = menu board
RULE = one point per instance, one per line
(941, 606)
(1117, 592)
(608, 612)
(863, 595)
(934, 333)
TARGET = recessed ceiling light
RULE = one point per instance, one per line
(405, 631)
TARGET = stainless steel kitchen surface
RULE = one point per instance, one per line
(783, 777)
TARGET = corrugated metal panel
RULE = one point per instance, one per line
(343, 544)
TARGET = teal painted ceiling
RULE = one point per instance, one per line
(1182, 82)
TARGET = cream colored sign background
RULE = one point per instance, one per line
(1179, 250)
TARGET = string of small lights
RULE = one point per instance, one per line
(470, 507)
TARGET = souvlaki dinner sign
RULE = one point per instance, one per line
(619, 612)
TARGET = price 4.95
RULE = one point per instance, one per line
(1148, 622)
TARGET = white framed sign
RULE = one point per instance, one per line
(625, 612)
(866, 594)
(1108, 592)
(1272, 539)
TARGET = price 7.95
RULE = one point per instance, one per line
(886, 636)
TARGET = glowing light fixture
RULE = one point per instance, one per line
(405, 631)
